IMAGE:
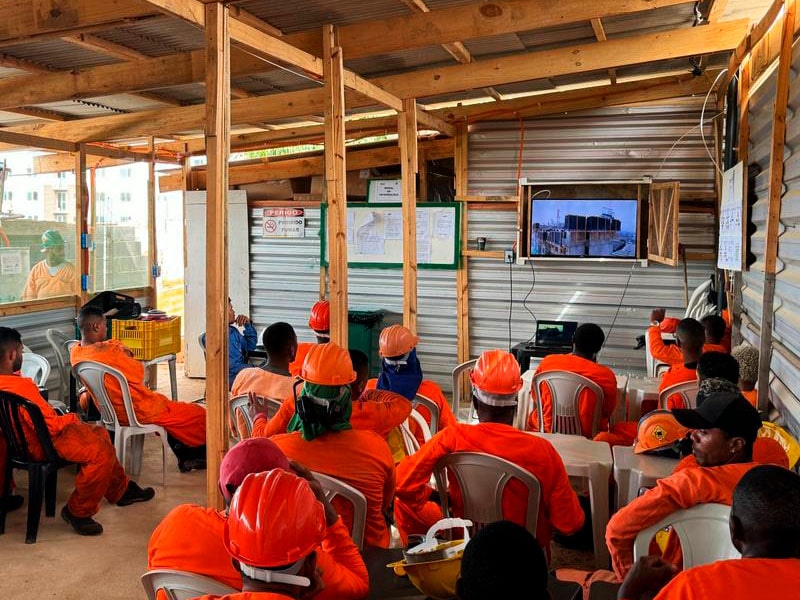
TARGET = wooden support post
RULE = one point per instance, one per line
(422, 169)
(81, 222)
(407, 139)
(335, 172)
(774, 210)
(323, 282)
(218, 146)
(461, 160)
(151, 223)
(741, 156)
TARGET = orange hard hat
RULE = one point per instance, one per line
(656, 430)
(396, 340)
(274, 520)
(328, 364)
(496, 372)
(320, 319)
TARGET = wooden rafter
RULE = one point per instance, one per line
(600, 34)
(109, 48)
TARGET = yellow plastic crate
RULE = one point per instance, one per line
(148, 339)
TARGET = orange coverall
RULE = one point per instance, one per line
(264, 383)
(41, 284)
(752, 397)
(183, 421)
(558, 505)
(100, 474)
(670, 353)
(601, 375)
(685, 488)
(190, 538)
(676, 374)
(299, 358)
(738, 579)
(361, 459)
(433, 392)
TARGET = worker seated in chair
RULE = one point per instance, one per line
(690, 337)
(319, 321)
(277, 524)
(100, 475)
(586, 344)
(714, 328)
(495, 383)
(191, 537)
(747, 357)
(322, 437)
(724, 429)
(239, 343)
(401, 372)
(272, 380)
(185, 422)
(765, 529)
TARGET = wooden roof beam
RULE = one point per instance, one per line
(600, 34)
(102, 46)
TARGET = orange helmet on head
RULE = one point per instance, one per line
(328, 364)
(396, 340)
(658, 430)
(320, 319)
(496, 373)
(275, 520)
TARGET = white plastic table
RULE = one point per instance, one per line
(593, 461)
(639, 390)
(635, 471)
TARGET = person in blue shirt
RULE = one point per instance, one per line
(239, 344)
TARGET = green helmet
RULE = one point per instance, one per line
(51, 239)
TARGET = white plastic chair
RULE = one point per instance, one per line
(565, 392)
(461, 370)
(687, 391)
(654, 367)
(239, 405)
(182, 585)
(335, 487)
(482, 479)
(57, 339)
(170, 359)
(36, 367)
(92, 374)
(703, 531)
(433, 409)
(410, 442)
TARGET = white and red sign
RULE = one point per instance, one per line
(284, 223)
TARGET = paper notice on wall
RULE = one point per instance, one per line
(423, 225)
(11, 262)
(372, 246)
(367, 229)
(351, 226)
(423, 251)
(392, 225)
(729, 255)
(444, 224)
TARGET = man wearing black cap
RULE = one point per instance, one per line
(724, 428)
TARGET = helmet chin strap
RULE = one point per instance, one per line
(287, 575)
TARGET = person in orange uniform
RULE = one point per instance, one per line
(724, 428)
(100, 475)
(185, 422)
(495, 383)
(691, 337)
(401, 373)
(765, 529)
(323, 439)
(714, 332)
(586, 343)
(747, 357)
(319, 321)
(53, 276)
(276, 526)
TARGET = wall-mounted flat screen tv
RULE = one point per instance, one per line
(583, 228)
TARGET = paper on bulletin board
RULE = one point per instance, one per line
(729, 255)
(393, 225)
(382, 191)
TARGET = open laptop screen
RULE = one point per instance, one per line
(555, 333)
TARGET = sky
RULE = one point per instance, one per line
(545, 211)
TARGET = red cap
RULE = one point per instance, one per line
(253, 455)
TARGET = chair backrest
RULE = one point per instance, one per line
(410, 442)
(182, 585)
(460, 371)
(335, 487)
(93, 375)
(687, 391)
(12, 408)
(702, 530)
(433, 409)
(482, 479)
(565, 392)
(698, 305)
(57, 339)
(238, 406)
(36, 367)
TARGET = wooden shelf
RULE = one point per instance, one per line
(484, 254)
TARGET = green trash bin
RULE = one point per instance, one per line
(363, 327)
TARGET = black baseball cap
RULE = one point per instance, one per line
(728, 411)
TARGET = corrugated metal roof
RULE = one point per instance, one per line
(289, 17)
(157, 36)
(649, 21)
(57, 54)
(406, 60)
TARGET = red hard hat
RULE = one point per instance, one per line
(396, 340)
(320, 319)
(496, 372)
(328, 364)
(274, 520)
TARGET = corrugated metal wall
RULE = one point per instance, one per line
(785, 380)
(612, 143)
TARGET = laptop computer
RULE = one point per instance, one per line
(555, 334)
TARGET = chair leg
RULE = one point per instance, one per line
(35, 492)
(137, 450)
(7, 473)
(164, 448)
(50, 491)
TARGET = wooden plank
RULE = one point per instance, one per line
(407, 140)
(26, 140)
(370, 90)
(717, 9)
(743, 143)
(498, 254)
(217, 131)
(103, 46)
(428, 119)
(81, 221)
(28, 306)
(335, 170)
(461, 161)
(152, 237)
(422, 169)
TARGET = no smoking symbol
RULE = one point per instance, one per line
(271, 226)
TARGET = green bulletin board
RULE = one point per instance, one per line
(375, 235)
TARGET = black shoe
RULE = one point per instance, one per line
(134, 493)
(82, 525)
(188, 464)
(12, 502)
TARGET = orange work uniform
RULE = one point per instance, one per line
(41, 284)
(676, 374)
(100, 474)
(299, 358)
(752, 397)
(670, 353)
(558, 504)
(683, 489)
(432, 391)
(184, 421)
(601, 375)
(737, 579)
(264, 383)
(190, 538)
(361, 459)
